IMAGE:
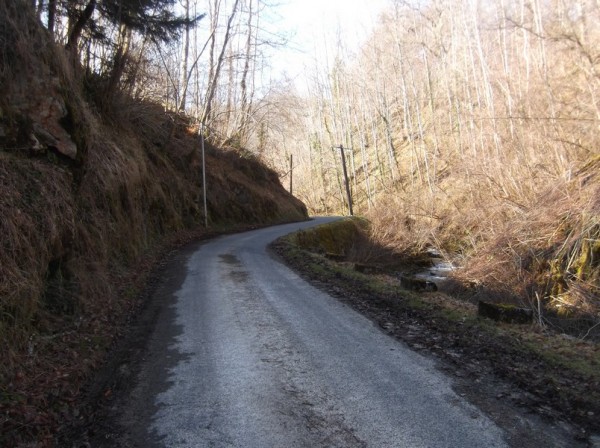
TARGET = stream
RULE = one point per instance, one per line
(440, 270)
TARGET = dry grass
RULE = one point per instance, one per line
(477, 135)
(525, 227)
(36, 226)
(72, 230)
(523, 237)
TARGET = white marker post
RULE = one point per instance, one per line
(204, 176)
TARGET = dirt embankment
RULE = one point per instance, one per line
(91, 194)
(552, 376)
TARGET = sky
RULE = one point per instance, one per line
(314, 25)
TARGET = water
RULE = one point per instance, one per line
(440, 271)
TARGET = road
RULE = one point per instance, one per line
(247, 354)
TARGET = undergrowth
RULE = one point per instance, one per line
(539, 248)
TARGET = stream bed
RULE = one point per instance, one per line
(440, 270)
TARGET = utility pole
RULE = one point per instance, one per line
(291, 171)
(346, 182)
(204, 175)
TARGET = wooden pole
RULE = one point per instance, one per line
(346, 182)
(204, 177)
(291, 171)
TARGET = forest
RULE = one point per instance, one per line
(473, 128)
(469, 126)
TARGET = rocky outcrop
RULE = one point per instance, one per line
(504, 313)
(37, 115)
(47, 130)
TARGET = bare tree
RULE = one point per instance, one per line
(216, 65)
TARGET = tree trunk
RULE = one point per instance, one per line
(212, 87)
(184, 62)
(78, 27)
(244, 104)
(120, 61)
(51, 16)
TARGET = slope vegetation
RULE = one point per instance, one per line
(90, 190)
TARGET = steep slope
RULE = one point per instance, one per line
(87, 191)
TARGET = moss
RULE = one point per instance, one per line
(335, 238)
(557, 278)
(567, 358)
(589, 257)
(596, 252)
(578, 264)
(506, 306)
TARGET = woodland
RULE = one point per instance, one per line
(471, 127)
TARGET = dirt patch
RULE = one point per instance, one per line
(100, 401)
(497, 367)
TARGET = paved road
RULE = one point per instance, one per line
(247, 354)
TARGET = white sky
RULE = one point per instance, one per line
(315, 25)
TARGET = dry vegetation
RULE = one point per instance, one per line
(75, 226)
(558, 373)
(474, 128)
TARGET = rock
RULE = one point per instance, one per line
(47, 115)
(35, 143)
(335, 257)
(432, 252)
(387, 326)
(505, 313)
(417, 284)
(44, 136)
(366, 269)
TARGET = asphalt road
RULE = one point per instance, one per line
(247, 354)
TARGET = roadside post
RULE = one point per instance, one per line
(346, 181)
(203, 175)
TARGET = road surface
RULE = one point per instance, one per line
(247, 354)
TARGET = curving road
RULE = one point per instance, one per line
(247, 354)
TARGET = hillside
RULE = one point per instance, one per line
(93, 190)
(471, 128)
